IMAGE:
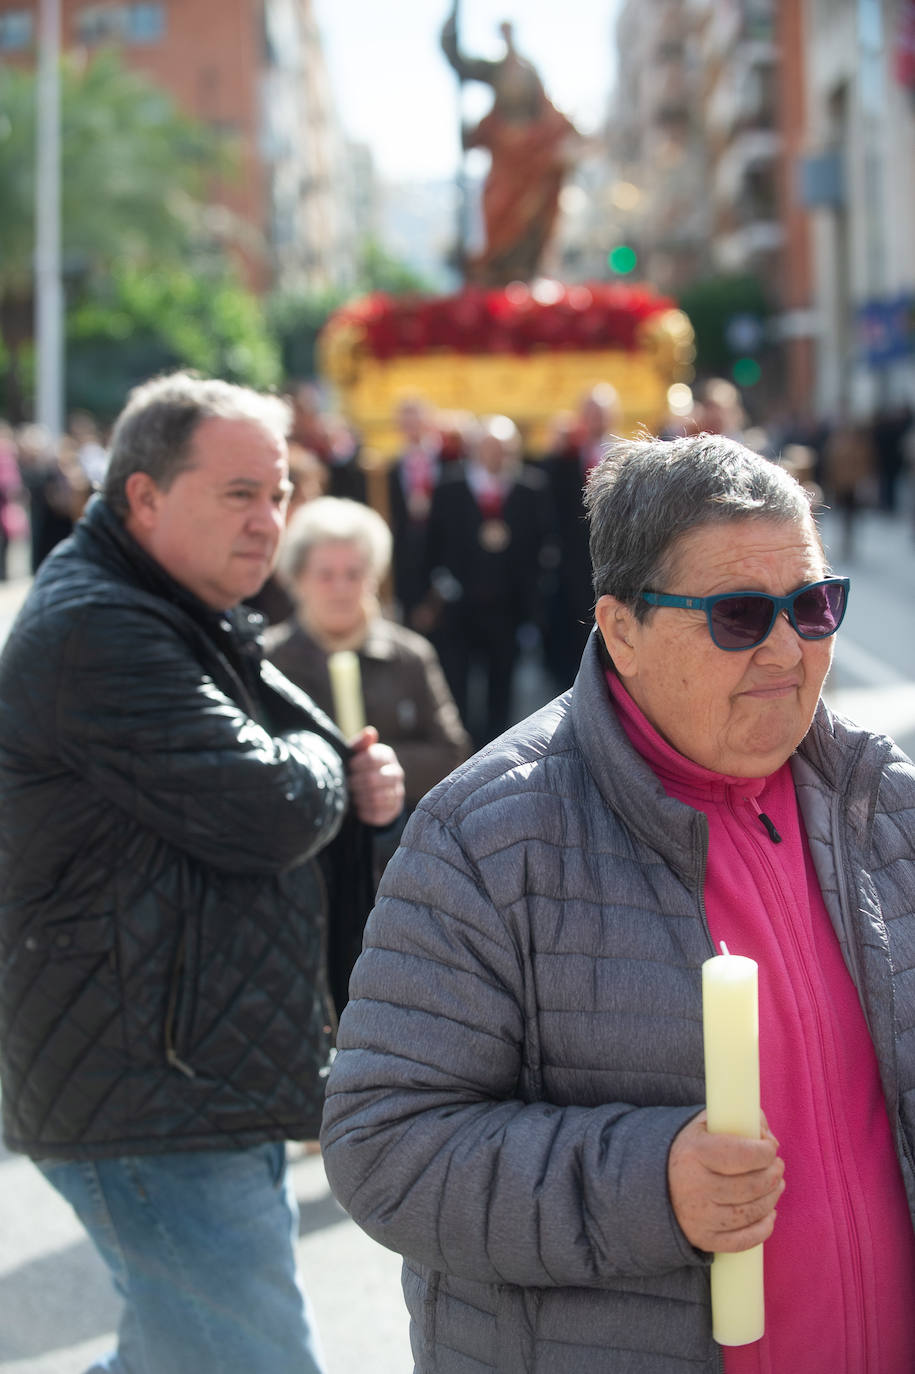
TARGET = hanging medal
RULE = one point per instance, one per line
(494, 534)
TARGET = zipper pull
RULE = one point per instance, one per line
(765, 821)
(179, 1064)
(773, 834)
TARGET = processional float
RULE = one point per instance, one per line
(511, 341)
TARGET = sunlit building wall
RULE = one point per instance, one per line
(861, 193)
(659, 200)
(738, 58)
(710, 126)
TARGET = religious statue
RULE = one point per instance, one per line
(531, 145)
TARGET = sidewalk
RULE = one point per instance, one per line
(58, 1310)
(873, 676)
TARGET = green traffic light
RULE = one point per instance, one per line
(746, 371)
(622, 259)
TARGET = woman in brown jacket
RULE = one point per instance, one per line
(335, 553)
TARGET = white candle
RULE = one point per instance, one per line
(346, 685)
(730, 1020)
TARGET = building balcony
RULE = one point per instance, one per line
(720, 30)
(742, 97)
(742, 249)
(747, 151)
(671, 90)
(671, 23)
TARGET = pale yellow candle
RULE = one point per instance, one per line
(346, 685)
(730, 1019)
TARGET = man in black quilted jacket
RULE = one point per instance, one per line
(183, 833)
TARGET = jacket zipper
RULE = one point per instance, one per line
(765, 821)
(171, 1053)
(719, 1354)
(851, 1225)
(324, 972)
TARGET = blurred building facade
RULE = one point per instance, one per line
(860, 189)
(254, 71)
(776, 139)
(657, 123)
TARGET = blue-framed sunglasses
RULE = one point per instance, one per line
(742, 620)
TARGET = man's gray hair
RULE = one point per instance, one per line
(647, 494)
(334, 520)
(154, 431)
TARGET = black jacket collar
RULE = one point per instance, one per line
(102, 537)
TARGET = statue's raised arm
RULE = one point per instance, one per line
(467, 68)
(531, 146)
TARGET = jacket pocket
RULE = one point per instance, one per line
(75, 938)
(179, 1003)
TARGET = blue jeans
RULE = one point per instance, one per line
(201, 1248)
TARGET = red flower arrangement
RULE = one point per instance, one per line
(519, 320)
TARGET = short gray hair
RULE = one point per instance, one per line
(334, 520)
(154, 431)
(647, 494)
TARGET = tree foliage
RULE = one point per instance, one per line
(132, 169)
(296, 319)
(712, 303)
(142, 322)
(133, 172)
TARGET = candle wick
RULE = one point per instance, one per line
(724, 948)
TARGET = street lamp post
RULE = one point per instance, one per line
(49, 313)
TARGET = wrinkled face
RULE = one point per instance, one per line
(217, 527)
(335, 586)
(740, 713)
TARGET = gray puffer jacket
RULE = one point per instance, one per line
(524, 1038)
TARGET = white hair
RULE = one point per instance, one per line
(334, 520)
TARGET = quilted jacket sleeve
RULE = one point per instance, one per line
(426, 1141)
(138, 716)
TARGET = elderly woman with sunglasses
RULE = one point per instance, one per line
(517, 1101)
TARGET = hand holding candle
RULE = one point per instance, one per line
(724, 1186)
(375, 779)
(730, 1018)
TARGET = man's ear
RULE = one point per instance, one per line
(617, 624)
(142, 501)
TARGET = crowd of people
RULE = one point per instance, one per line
(504, 1059)
(486, 554)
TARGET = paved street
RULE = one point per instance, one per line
(56, 1308)
(873, 675)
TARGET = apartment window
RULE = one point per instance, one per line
(15, 30)
(146, 23)
(121, 23)
(101, 23)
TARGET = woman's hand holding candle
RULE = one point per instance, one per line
(375, 779)
(737, 1170)
(724, 1188)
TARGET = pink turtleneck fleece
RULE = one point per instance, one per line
(840, 1264)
